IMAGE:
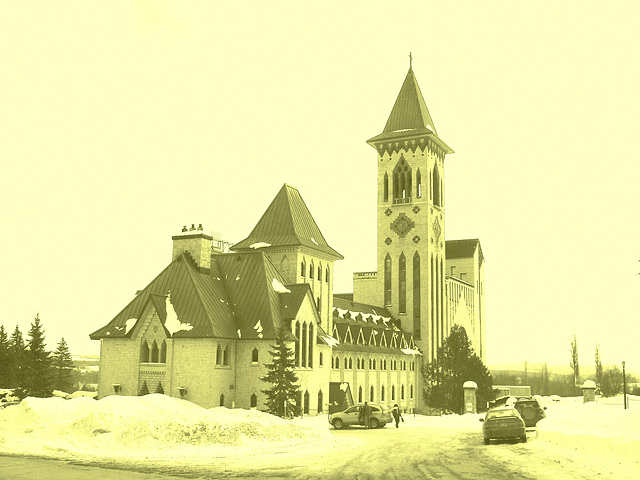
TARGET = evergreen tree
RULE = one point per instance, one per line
(573, 362)
(62, 364)
(38, 364)
(455, 364)
(144, 389)
(5, 357)
(17, 359)
(284, 389)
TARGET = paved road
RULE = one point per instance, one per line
(389, 453)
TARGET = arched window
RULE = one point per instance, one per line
(311, 343)
(402, 284)
(163, 352)
(225, 356)
(318, 304)
(360, 394)
(144, 352)
(219, 355)
(311, 271)
(402, 392)
(254, 400)
(418, 184)
(416, 295)
(222, 399)
(387, 280)
(374, 363)
(327, 275)
(382, 393)
(386, 188)
(402, 182)
(305, 342)
(393, 392)
(320, 402)
(346, 363)
(320, 359)
(254, 355)
(350, 363)
(411, 391)
(306, 402)
(319, 273)
(303, 269)
(154, 352)
(298, 332)
(436, 187)
(371, 397)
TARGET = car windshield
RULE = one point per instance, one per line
(501, 413)
(352, 409)
(532, 403)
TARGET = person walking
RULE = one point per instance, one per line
(397, 415)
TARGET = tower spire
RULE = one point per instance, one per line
(410, 60)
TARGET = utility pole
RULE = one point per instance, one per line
(624, 385)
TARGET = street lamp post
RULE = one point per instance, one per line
(624, 385)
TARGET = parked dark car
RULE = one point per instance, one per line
(380, 416)
(530, 410)
(503, 423)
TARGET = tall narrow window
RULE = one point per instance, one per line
(219, 355)
(319, 272)
(402, 284)
(254, 400)
(144, 352)
(436, 187)
(359, 394)
(305, 342)
(402, 392)
(387, 280)
(225, 356)
(154, 352)
(298, 334)
(306, 402)
(393, 392)
(254, 355)
(382, 393)
(386, 187)
(163, 352)
(311, 271)
(326, 279)
(311, 342)
(416, 295)
(418, 184)
(222, 399)
(371, 392)
(303, 269)
(320, 409)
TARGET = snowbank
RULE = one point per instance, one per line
(148, 426)
(601, 430)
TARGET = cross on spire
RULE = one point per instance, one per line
(410, 60)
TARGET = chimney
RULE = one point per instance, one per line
(194, 242)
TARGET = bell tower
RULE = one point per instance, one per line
(410, 279)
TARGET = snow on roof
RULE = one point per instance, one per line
(173, 323)
(259, 245)
(129, 324)
(410, 351)
(279, 287)
(331, 341)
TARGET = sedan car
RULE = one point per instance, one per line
(503, 423)
(380, 416)
(530, 410)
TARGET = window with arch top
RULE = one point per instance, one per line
(254, 355)
(402, 182)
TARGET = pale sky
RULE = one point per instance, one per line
(120, 122)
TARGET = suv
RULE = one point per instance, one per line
(530, 410)
(380, 416)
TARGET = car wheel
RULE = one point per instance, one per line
(486, 441)
(338, 424)
(523, 438)
(373, 423)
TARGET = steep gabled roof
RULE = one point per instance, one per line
(197, 298)
(287, 222)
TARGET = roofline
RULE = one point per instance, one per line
(433, 136)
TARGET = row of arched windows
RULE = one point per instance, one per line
(372, 397)
(153, 353)
(402, 184)
(306, 335)
(383, 363)
(303, 271)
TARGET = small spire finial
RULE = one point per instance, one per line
(410, 60)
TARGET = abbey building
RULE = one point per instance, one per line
(202, 329)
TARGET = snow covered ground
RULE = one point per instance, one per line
(601, 435)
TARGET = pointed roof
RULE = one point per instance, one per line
(287, 222)
(410, 110)
(410, 116)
